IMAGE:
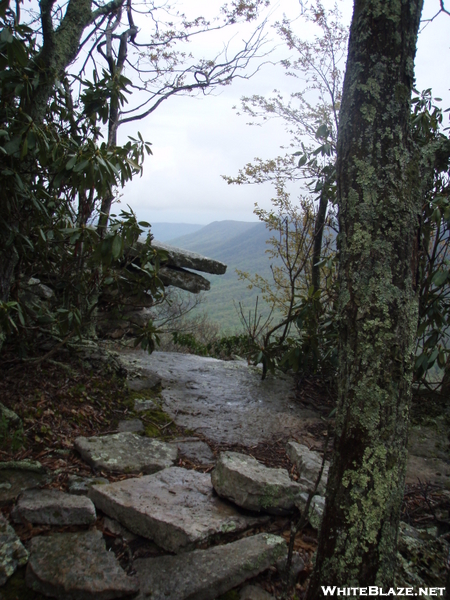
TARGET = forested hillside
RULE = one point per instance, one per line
(240, 245)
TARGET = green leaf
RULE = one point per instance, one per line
(71, 162)
(302, 161)
(116, 248)
(439, 278)
(80, 166)
(322, 132)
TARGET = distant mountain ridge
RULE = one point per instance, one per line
(240, 245)
(165, 231)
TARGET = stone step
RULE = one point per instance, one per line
(176, 508)
(251, 485)
(77, 566)
(52, 507)
(206, 574)
(126, 453)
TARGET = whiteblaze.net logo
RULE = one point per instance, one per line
(333, 590)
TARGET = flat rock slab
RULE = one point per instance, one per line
(206, 574)
(126, 453)
(76, 566)
(308, 463)
(175, 508)
(196, 451)
(252, 485)
(52, 507)
(226, 401)
(17, 476)
(12, 552)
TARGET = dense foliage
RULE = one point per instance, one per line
(54, 175)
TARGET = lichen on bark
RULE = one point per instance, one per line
(379, 208)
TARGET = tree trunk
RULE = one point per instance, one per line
(318, 237)
(379, 209)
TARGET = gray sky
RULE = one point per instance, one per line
(196, 140)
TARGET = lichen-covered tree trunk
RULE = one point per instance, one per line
(379, 210)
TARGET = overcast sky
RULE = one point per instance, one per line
(196, 140)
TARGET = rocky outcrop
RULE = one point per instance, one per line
(177, 257)
(206, 574)
(226, 401)
(76, 566)
(52, 507)
(251, 485)
(126, 453)
(12, 552)
(175, 508)
(184, 280)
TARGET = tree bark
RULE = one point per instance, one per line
(318, 237)
(379, 210)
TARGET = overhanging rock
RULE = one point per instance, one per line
(185, 280)
(177, 257)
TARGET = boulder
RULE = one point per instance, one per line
(175, 508)
(12, 552)
(316, 508)
(206, 574)
(53, 507)
(77, 566)
(308, 465)
(297, 566)
(195, 450)
(176, 257)
(126, 453)
(252, 485)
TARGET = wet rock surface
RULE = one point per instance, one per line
(126, 453)
(226, 401)
(252, 485)
(77, 566)
(176, 508)
(205, 574)
(52, 507)
(12, 552)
